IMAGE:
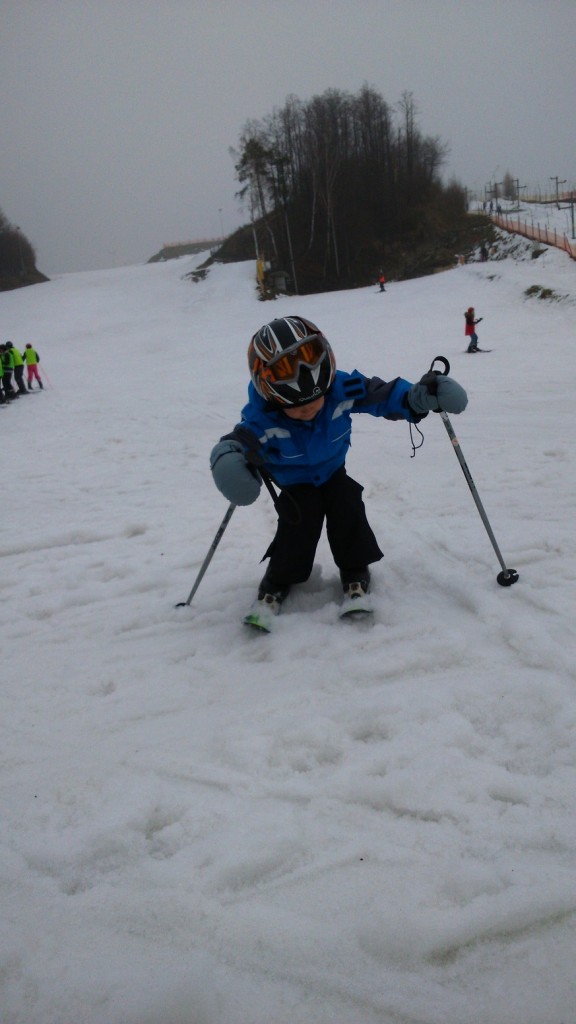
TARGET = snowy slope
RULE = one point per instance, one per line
(350, 823)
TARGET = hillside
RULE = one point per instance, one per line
(351, 823)
(419, 253)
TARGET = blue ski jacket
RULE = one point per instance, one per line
(310, 452)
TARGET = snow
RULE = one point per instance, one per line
(341, 823)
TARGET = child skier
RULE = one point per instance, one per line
(470, 329)
(32, 359)
(296, 428)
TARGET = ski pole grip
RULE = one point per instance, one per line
(430, 378)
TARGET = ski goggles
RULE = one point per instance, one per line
(308, 351)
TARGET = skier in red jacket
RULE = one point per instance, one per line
(470, 329)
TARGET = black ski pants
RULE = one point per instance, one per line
(302, 510)
(7, 383)
(19, 378)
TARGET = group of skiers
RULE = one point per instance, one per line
(14, 362)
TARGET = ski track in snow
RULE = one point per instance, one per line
(364, 822)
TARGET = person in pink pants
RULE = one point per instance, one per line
(32, 359)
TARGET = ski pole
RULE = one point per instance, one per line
(209, 556)
(508, 576)
(269, 486)
(46, 377)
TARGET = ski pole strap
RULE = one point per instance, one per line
(268, 484)
(292, 516)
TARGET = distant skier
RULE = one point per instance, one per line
(7, 372)
(18, 364)
(382, 281)
(470, 329)
(297, 427)
(32, 359)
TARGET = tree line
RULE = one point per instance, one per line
(332, 182)
(17, 257)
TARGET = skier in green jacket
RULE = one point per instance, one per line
(7, 371)
(18, 368)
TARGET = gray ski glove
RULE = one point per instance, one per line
(232, 475)
(437, 393)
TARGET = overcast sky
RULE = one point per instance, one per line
(116, 116)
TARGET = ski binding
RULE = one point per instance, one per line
(262, 614)
(358, 606)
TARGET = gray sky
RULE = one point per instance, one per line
(117, 115)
